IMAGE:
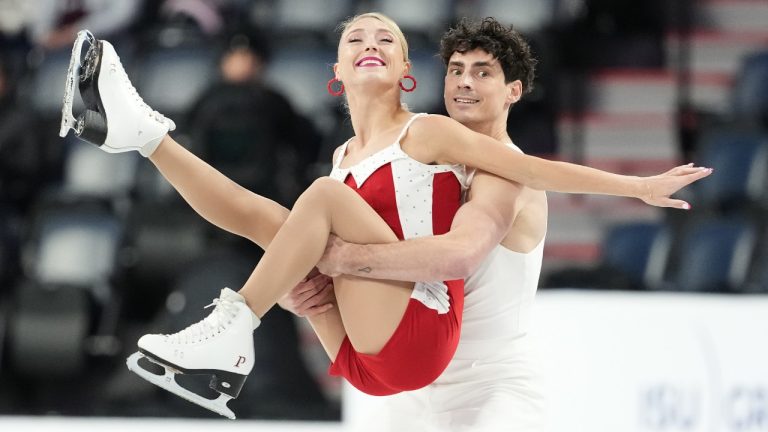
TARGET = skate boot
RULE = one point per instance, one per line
(220, 345)
(116, 118)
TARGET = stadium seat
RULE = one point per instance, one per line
(74, 245)
(429, 71)
(740, 159)
(418, 18)
(634, 256)
(46, 84)
(526, 15)
(171, 79)
(92, 173)
(302, 74)
(714, 256)
(750, 91)
(627, 248)
(47, 330)
(318, 16)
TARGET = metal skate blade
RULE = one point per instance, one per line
(168, 382)
(68, 120)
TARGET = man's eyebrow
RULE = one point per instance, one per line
(482, 64)
(455, 63)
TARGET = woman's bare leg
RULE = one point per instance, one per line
(329, 328)
(370, 310)
(231, 207)
(235, 209)
(216, 198)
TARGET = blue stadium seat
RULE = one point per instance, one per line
(634, 256)
(758, 280)
(740, 159)
(627, 248)
(750, 91)
(714, 256)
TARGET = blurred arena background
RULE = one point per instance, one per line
(649, 319)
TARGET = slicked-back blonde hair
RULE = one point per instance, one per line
(389, 22)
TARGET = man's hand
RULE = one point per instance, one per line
(331, 262)
(312, 296)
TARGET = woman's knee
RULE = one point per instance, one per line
(327, 185)
(323, 189)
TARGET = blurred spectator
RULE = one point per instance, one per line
(250, 131)
(13, 18)
(177, 20)
(20, 150)
(56, 22)
(207, 15)
(14, 43)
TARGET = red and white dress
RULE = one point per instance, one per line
(416, 200)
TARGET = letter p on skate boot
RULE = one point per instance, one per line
(116, 118)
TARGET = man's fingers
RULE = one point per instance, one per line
(314, 296)
(327, 293)
(314, 283)
(307, 294)
(317, 310)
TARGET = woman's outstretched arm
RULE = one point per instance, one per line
(450, 142)
(216, 198)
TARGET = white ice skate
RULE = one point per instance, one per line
(220, 345)
(115, 118)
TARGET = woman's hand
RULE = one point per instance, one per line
(656, 190)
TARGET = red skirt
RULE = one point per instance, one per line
(416, 354)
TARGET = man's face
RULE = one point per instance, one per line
(475, 90)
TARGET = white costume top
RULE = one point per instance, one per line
(415, 199)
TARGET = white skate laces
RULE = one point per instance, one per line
(219, 320)
(135, 94)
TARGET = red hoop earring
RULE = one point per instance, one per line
(333, 92)
(409, 89)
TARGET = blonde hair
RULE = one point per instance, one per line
(389, 22)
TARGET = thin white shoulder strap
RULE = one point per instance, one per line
(408, 124)
(342, 152)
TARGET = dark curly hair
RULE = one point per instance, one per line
(502, 42)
